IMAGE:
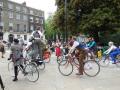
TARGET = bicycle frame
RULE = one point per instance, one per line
(71, 61)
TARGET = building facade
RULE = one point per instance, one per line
(19, 19)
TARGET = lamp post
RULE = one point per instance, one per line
(78, 18)
(0, 13)
(65, 20)
(1, 33)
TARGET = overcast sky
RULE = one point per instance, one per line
(46, 5)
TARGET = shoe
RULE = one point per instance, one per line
(79, 74)
(8, 59)
(15, 79)
(114, 63)
(3, 87)
(2, 57)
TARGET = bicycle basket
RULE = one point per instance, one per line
(39, 61)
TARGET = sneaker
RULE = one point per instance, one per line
(15, 79)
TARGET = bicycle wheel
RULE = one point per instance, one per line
(31, 72)
(11, 68)
(104, 62)
(65, 68)
(47, 60)
(118, 60)
(61, 58)
(91, 68)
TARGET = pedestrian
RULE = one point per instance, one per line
(58, 49)
(2, 49)
(21, 41)
(1, 34)
(1, 82)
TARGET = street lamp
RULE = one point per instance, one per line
(65, 20)
(0, 15)
(78, 19)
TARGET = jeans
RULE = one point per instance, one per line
(114, 53)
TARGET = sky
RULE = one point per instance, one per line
(48, 6)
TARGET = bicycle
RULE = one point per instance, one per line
(91, 67)
(29, 69)
(39, 62)
(105, 60)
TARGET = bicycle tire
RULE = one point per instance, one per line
(103, 62)
(65, 64)
(11, 68)
(118, 60)
(33, 70)
(47, 60)
(61, 58)
(89, 66)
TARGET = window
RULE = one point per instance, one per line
(17, 16)
(25, 37)
(25, 17)
(1, 4)
(1, 25)
(24, 9)
(10, 5)
(31, 19)
(18, 8)
(18, 27)
(10, 14)
(25, 28)
(18, 36)
(41, 21)
(10, 26)
(31, 11)
(37, 20)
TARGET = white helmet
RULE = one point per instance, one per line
(111, 43)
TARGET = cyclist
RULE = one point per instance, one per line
(39, 42)
(113, 51)
(91, 44)
(16, 53)
(80, 54)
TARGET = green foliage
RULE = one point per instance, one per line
(49, 30)
(95, 16)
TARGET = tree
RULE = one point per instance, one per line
(96, 16)
(50, 30)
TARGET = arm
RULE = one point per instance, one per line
(91, 45)
(75, 44)
(109, 50)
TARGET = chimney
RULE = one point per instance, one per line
(24, 3)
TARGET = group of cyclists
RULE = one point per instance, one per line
(79, 46)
